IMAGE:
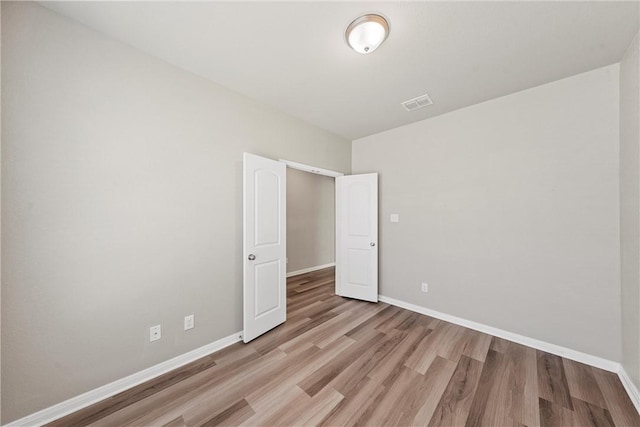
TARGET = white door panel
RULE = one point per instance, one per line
(264, 246)
(266, 288)
(357, 236)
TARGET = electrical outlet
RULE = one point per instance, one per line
(188, 322)
(425, 287)
(395, 217)
(155, 333)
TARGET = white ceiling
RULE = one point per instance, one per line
(292, 55)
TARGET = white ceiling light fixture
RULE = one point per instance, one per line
(367, 32)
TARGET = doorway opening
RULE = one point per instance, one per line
(311, 236)
(265, 240)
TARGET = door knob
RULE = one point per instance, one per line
(372, 244)
(251, 257)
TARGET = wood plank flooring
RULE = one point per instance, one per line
(340, 362)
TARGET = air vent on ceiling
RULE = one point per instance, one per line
(417, 103)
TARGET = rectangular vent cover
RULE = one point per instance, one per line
(417, 103)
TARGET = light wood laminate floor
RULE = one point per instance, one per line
(340, 362)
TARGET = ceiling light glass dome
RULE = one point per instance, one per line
(367, 32)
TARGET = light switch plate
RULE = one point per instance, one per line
(395, 217)
(189, 322)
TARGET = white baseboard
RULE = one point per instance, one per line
(630, 387)
(598, 362)
(310, 269)
(74, 404)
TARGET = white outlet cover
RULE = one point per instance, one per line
(425, 287)
(155, 333)
(395, 217)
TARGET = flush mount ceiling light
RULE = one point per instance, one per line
(367, 32)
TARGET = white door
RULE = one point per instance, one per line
(357, 236)
(264, 249)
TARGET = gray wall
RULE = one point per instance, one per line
(121, 195)
(630, 210)
(509, 209)
(311, 217)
